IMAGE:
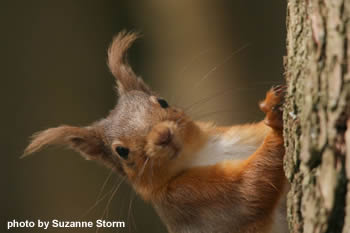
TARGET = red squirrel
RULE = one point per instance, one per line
(199, 177)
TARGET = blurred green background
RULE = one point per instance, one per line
(53, 71)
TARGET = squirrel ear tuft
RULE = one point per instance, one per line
(87, 141)
(117, 62)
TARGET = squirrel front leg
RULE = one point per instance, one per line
(252, 187)
(262, 173)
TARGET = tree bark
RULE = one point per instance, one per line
(317, 115)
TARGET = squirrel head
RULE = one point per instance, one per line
(143, 137)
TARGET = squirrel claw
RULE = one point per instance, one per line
(272, 106)
(279, 89)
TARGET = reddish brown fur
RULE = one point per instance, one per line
(238, 196)
(254, 185)
(119, 67)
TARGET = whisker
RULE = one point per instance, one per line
(227, 59)
(220, 111)
(96, 204)
(112, 196)
(150, 178)
(195, 58)
(104, 184)
(267, 83)
(130, 208)
(99, 196)
(206, 99)
(143, 167)
(189, 64)
(106, 210)
(152, 167)
(212, 113)
(142, 170)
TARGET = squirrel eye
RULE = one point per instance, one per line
(163, 103)
(122, 151)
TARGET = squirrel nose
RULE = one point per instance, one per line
(164, 137)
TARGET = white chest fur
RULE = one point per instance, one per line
(219, 148)
(237, 145)
(234, 146)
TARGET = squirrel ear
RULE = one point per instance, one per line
(87, 141)
(117, 62)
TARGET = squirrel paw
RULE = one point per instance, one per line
(272, 106)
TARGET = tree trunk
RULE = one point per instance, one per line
(317, 115)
